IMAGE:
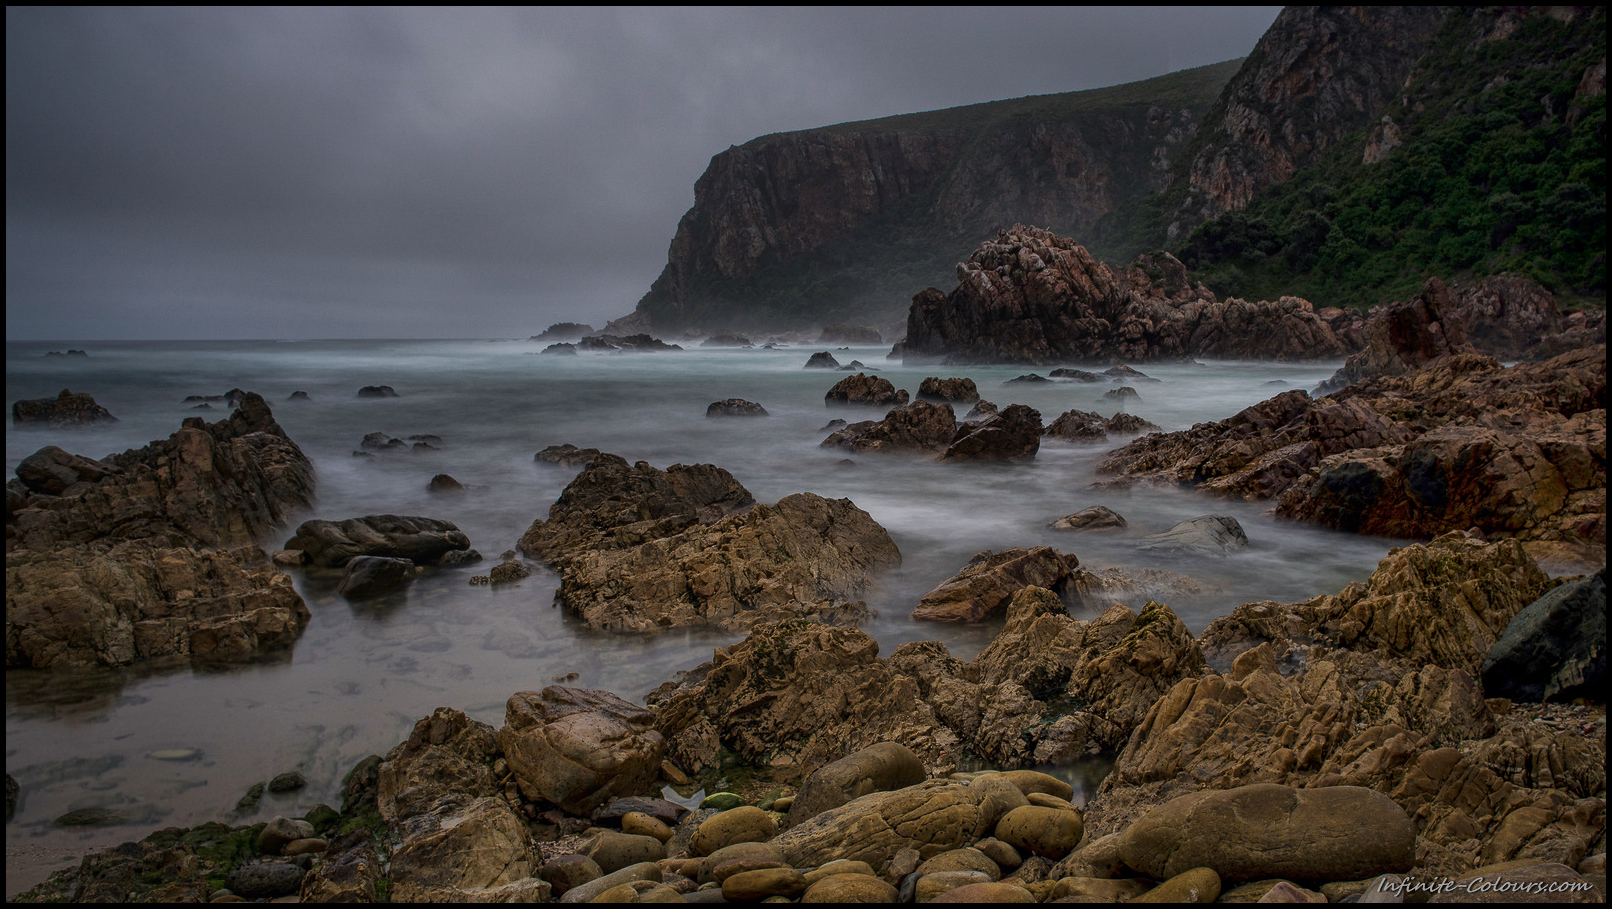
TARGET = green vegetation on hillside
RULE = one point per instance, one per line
(1502, 169)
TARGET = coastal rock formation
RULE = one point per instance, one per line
(1407, 337)
(1555, 648)
(1012, 434)
(563, 331)
(85, 604)
(1463, 442)
(735, 407)
(578, 748)
(1033, 297)
(637, 343)
(953, 390)
(804, 555)
(921, 426)
(63, 411)
(424, 541)
(983, 587)
(613, 505)
(105, 560)
(876, 208)
(1088, 426)
(865, 389)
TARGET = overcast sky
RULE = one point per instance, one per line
(348, 173)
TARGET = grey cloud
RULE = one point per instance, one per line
(529, 165)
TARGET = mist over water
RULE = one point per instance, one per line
(362, 673)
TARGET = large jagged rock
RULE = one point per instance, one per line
(111, 605)
(467, 851)
(447, 756)
(982, 589)
(1033, 297)
(1087, 426)
(1407, 337)
(922, 426)
(579, 748)
(104, 562)
(228, 483)
(1013, 434)
(611, 505)
(804, 555)
(1445, 603)
(1517, 452)
(877, 768)
(874, 391)
(423, 541)
(793, 696)
(952, 390)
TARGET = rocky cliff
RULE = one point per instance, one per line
(1318, 74)
(798, 229)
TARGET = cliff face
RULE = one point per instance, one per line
(839, 224)
(1318, 74)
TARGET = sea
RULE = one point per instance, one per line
(177, 746)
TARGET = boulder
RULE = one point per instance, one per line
(332, 544)
(980, 411)
(1014, 434)
(444, 483)
(822, 360)
(380, 441)
(613, 850)
(348, 874)
(1094, 517)
(849, 888)
(1340, 833)
(569, 871)
(63, 411)
(984, 586)
(735, 407)
(372, 576)
(745, 824)
(52, 471)
(1050, 832)
(280, 832)
(1123, 395)
(265, 881)
(1078, 426)
(932, 817)
(1555, 648)
(579, 748)
(1210, 534)
(377, 391)
(920, 427)
(880, 767)
(862, 388)
(953, 390)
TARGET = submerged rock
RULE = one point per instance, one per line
(822, 360)
(377, 391)
(1210, 534)
(865, 389)
(423, 541)
(920, 427)
(735, 407)
(1095, 517)
(952, 390)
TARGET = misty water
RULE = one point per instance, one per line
(175, 746)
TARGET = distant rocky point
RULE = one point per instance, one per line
(64, 410)
(563, 331)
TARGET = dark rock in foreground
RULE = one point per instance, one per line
(1555, 649)
(63, 411)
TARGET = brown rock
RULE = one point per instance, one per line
(849, 888)
(986, 893)
(984, 586)
(447, 755)
(880, 767)
(348, 874)
(578, 748)
(1264, 831)
(757, 885)
(861, 388)
(953, 390)
(480, 846)
(1013, 434)
(332, 544)
(1095, 517)
(565, 872)
(63, 411)
(746, 824)
(965, 859)
(1196, 885)
(612, 850)
(1050, 832)
(920, 427)
(931, 817)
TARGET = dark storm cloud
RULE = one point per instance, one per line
(339, 173)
